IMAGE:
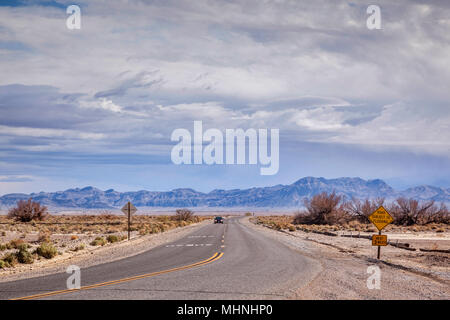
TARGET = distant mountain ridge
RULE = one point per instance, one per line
(270, 197)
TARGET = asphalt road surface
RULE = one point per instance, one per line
(218, 261)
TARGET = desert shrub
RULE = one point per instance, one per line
(438, 215)
(409, 212)
(276, 225)
(73, 237)
(184, 214)
(16, 244)
(23, 256)
(322, 209)
(10, 259)
(361, 210)
(43, 237)
(46, 250)
(169, 225)
(99, 241)
(155, 229)
(23, 246)
(3, 247)
(2, 264)
(3, 233)
(291, 227)
(112, 238)
(27, 211)
(105, 215)
(182, 223)
(78, 248)
(248, 214)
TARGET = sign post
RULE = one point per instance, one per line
(380, 218)
(129, 209)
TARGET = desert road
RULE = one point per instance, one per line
(217, 261)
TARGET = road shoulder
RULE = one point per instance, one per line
(344, 276)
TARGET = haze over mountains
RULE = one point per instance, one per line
(270, 197)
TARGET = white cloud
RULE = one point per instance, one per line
(15, 178)
(255, 50)
(109, 105)
(49, 133)
(138, 70)
(401, 125)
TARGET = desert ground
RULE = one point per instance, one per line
(423, 248)
(407, 272)
(64, 236)
(415, 264)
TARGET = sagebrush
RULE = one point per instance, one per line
(29, 210)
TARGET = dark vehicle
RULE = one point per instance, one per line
(218, 220)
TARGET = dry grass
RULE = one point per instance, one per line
(286, 223)
(95, 224)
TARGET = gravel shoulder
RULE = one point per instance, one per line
(98, 255)
(344, 273)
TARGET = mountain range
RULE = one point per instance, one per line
(288, 196)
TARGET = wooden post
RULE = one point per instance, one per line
(129, 219)
(379, 248)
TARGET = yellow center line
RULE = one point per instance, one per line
(213, 258)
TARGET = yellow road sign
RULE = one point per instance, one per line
(381, 218)
(379, 240)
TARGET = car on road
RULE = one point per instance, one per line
(218, 220)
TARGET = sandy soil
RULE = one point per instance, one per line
(436, 263)
(345, 261)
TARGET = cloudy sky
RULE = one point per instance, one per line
(97, 106)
